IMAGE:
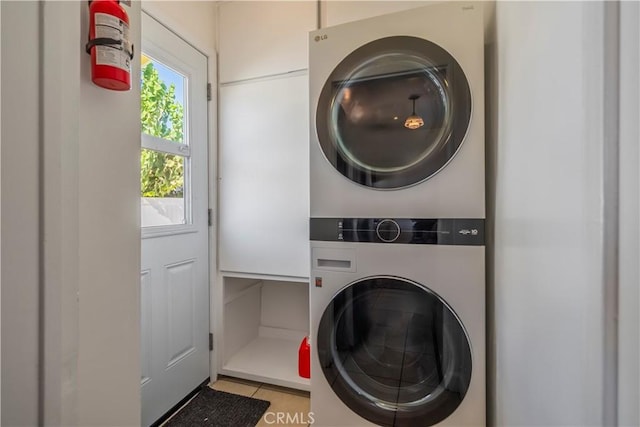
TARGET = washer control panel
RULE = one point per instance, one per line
(424, 231)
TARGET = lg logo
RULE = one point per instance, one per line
(322, 37)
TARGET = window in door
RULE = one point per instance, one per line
(165, 155)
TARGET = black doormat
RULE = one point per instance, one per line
(219, 409)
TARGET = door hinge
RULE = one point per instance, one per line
(208, 91)
(210, 342)
(209, 219)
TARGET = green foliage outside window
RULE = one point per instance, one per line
(162, 175)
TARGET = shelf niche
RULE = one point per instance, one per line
(264, 324)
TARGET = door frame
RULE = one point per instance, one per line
(207, 48)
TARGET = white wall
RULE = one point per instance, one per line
(59, 152)
(193, 20)
(20, 227)
(548, 214)
(629, 301)
(109, 243)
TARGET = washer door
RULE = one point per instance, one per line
(394, 352)
(393, 112)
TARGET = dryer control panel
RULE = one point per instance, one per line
(420, 231)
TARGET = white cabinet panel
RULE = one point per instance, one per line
(340, 12)
(260, 38)
(264, 175)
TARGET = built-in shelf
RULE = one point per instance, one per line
(240, 275)
(264, 322)
(271, 360)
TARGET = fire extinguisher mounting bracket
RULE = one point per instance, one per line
(105, 41)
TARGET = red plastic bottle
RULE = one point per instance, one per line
(304, 359)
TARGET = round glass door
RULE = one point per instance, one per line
(394, 352)
(393, 112)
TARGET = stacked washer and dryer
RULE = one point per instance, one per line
(397, 297)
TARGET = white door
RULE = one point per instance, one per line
(175, 264)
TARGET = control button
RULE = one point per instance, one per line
(388, 230)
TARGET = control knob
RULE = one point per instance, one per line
(388, 230)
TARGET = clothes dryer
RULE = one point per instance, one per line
(397, 115)
(398, 322)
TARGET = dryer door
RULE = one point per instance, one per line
(394, 112)
(394, 352)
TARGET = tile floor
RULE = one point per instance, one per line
(283, 400)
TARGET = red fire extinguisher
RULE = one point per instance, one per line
(109, 45)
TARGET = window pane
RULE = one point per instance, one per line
(162, 188)
(162, 101)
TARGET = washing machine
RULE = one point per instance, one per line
(398, 322)
(397, 115)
